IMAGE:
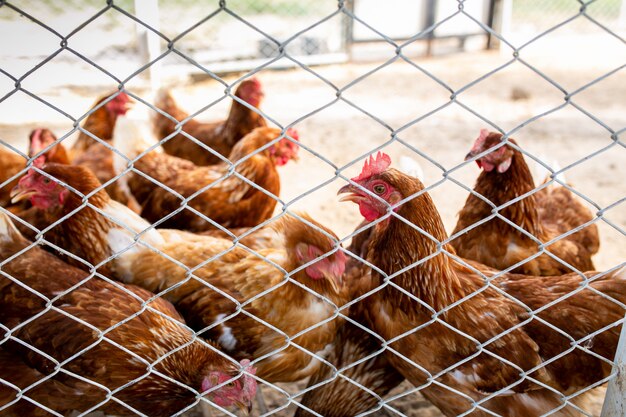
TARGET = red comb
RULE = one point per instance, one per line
(119, 105)
(293, 133)
(479, 143)
(122, 97)
(36, 144)
(245, 364)
(250, 91)
(39, 139)
(255, 82)
(374, 166)
(40, 161)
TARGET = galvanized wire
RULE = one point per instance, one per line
(343, 10)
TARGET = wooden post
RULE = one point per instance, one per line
(615, 400)
(149, 48)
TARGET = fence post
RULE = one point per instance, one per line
(148, 12)
(615, 400)
(506, 10)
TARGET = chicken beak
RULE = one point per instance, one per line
(336, 282)
(245, 407)
(472, 154)
(17, 194)
(334, 279)
(353, 193)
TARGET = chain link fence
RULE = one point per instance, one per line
(554, 86)
(537, 14)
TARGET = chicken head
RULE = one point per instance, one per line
(499, 158)
(239, 392)
(39, 140)
(330, 268)
(373, 194)
(48, 192)
(119, 105)
(307, 242)
(285, 150)
(43, 192)
(251, 92)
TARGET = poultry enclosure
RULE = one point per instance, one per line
(341, 80)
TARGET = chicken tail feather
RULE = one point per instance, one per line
(8, 231)
(411, 167)
(132, 136)
(542, 174)
(164, 101)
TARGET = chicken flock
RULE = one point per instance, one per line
(140, 274)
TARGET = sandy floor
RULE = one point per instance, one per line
(406, 101)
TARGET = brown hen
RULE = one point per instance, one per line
(213, 191)
(214, 263)
(545, 214)
(220, 136)
(94, 155)
(133, 359)
(441, 310)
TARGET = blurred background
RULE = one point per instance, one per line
(419, 78)
(244, 34)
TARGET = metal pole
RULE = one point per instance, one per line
(494, 9)
(615, 400)
(348, 30)
(430, 20)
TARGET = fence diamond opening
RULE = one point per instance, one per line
(219, 287)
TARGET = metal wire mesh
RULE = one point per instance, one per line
(289, 47)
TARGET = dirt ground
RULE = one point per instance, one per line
(420, 112)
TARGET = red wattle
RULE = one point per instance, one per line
(368, 212)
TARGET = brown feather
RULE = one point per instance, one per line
(231, 202)
(99, 159)
(483, 314)
(545, 214)
(90, 153)
(234, 270)
(83, 308)
(339, 397)
(221, 136)
(11, 163)
(243, 276)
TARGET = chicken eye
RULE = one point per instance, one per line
(230, 384)
(379, 189)
(46, 180)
